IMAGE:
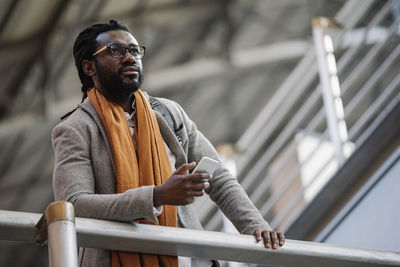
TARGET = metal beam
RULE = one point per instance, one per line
(138, 16)
(15, 86)
(213, 67)
(19, 226)
(157, 14)
(12, 4)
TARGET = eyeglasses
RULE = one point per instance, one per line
(119, 50)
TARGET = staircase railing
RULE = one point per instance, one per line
(287, 153)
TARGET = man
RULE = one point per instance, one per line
(117, 159)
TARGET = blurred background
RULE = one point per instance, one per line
(300, 97)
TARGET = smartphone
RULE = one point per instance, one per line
(206, 164)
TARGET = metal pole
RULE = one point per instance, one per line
(59, 220)
(19, 226)
(330, 88)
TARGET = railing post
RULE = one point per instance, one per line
(330, 87)
(57, 225)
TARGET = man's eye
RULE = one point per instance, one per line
(134, 50)
(115, 51)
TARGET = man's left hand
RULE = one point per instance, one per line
(271, 238)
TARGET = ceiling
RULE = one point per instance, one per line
(221, 60)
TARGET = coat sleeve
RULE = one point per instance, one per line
(224, 189)
(74, 181)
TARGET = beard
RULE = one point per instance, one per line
(115, 88)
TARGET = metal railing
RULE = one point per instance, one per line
(59, 221)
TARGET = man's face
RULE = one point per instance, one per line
(118, 78)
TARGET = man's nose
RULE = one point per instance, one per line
(129, 58)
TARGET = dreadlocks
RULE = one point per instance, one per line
(85, 45)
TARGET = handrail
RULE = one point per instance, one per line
(20, 226)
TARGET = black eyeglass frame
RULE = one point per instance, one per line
(140, 55)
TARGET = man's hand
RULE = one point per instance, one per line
(181, 188)
(270, 238)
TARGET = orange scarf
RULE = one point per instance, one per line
(150, 166)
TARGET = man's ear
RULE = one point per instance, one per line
(89, 67)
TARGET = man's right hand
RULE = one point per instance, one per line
(181, 188)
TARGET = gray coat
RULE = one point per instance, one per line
(84, 174)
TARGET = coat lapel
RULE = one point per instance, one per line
(88, 108)
(171, 140)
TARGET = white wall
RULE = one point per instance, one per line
(372, 218)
